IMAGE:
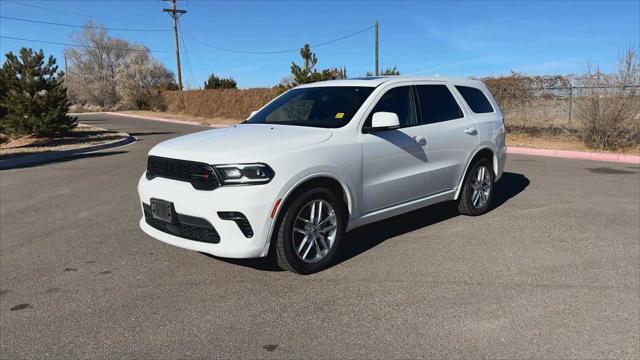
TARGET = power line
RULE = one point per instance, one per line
(268, 52)
(200, 62)
(74, 13)
(82, 46)
(78, 26)
(277, 51)
(340, 38)
(190, 78)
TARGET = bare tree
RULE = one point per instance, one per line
(112, 73)
(140, 80)
(92, 71)
(610, 104)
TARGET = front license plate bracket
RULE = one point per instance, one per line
(163, 210)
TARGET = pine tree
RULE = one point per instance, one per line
(310, 59)
(3, 95)
(35, 96)
(215, 82)
(307, 73)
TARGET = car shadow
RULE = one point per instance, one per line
(404, 142)
(265, 264)
(369, 236)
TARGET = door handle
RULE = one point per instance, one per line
(419, 140)
(471, 131)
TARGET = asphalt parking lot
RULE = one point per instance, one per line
(552, 272)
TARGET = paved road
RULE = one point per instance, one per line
(552, 272)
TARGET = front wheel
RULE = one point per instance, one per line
(477, 189)
(310, 231)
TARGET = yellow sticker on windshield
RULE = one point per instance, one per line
(339, 115)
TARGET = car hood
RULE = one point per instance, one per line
(240, 143)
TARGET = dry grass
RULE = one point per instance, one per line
(220, 104)
(79, 137)
(558, 142)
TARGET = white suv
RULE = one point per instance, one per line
(320, 160)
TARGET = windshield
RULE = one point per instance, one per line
(328, 107)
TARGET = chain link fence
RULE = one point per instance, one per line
(547, 102)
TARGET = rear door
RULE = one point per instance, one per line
(451, 135)
(393, 160)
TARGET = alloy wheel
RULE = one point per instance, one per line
(481, 187)
(314, 230)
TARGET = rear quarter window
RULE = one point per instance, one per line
(476, 99)
(437, 104)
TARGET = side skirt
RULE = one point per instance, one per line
(401, 209)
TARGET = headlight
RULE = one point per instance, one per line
(233, 174)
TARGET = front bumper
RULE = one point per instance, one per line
(254, 201)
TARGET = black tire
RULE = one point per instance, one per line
(287, 258)
(465, 201)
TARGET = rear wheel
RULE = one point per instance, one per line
(310, 231)
(477, 189)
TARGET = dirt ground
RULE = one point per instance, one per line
(79, 137)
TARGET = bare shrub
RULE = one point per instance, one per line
(76, 108)
(220, 103)
(609, 105)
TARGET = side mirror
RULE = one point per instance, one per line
(386, 120)
(251, 115)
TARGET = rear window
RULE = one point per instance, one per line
(437, 104)
(475, 99)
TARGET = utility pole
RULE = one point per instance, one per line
(65, 65)
(175, 14)
(377, 72)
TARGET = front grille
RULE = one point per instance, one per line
(200, 175)
(187, 227)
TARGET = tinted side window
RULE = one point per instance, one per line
(397, 100)
(475, 99)
(437, 104)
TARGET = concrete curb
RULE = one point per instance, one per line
(36, 159)
(173, 121)
(582, 155)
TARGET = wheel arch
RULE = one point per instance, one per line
(481, 152)
(324, 179)
(327, 180)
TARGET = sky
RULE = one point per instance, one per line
(446, 38)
